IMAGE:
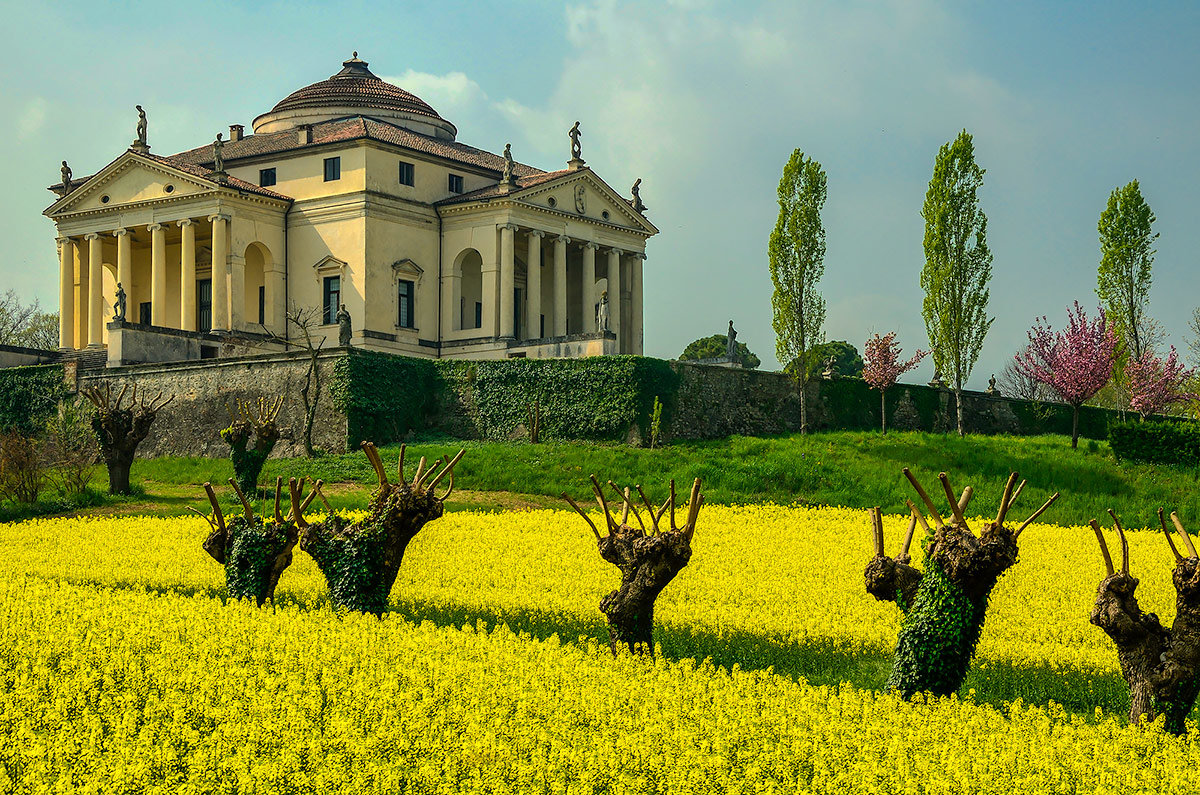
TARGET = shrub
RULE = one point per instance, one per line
(71, 448)
(1162, 442)
(29, 396)
(22, 468)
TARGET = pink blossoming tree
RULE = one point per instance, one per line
(882, 365)
(1076, 362)
(1156, 384)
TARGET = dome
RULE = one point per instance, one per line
(354, 91)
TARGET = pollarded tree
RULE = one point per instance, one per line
(120, 428)
(1076, 362)
(1156, 384)
(1126, 256)
(255, 421)
(958, 265)
(1161, 665)
(944, 607)
(797, 261)
(882, 365)
(649, 558)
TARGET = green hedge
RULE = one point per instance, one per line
(1163, 442)
(383, 396)
(29, 396)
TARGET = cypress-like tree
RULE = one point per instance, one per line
(797, 261)
(958, 264)
(1126, 255)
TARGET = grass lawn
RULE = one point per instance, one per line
(853, 469)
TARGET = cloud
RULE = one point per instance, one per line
(446, 93)
(32, 118)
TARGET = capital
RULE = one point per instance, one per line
(536, 233)
(509, 227)
(186, 222)
(154, 227)
(90, 236)
(218, 217)
(616, 252)
(62, 241)
(562, 239)
(119, 232)
(592, 246)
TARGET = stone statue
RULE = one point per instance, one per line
(119, 314)
(507, 177)
(602, 312)
(991, 390)
(66, 176)
(637, 196)
(937, 382)
(218, 155)
(730, 342)
(829, 373)
(344, 328)
(140, 141)
(580, 199)
(576, 149)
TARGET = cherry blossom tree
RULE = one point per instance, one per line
(1156, 384)
(1076, 362)
(882, 365)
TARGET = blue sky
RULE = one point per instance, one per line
(704, 102)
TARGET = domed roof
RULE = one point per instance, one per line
(355, 86)
(355, 90)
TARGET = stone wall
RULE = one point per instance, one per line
(191, 424)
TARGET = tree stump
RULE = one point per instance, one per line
(121, 428)
(360, 560)
(246, 424)
(1161, 665)
(648, 560)
(254, 551)
(945, 606)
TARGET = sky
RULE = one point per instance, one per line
(704, 101)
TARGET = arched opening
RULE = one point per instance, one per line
(469, 269)
(256, 308)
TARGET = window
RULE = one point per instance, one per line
(144, 314)
(262, 305)
(406, 173)
(456, 183)
(405, 317)
(266, 177)
(204, 305)
(331, 299)
(542, 331)
(478, 315)
(333, 169)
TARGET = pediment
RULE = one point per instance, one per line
(407, 266)
(585, 195)
(329, 263)
(130, 179)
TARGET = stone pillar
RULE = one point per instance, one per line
(614, 294)
(451, 300)
(237, 292)
(66, 293)
(187, 276)
(533, 286)
(636, 334)
(125, 269)
(560, 285)
(220, 272)
(589, 286)
(95, 290)
(158, 274)
(273, 296)
(508, 267)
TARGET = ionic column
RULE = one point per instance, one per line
(589, 286)
(124, 264)
(220, 272)
(614, 294)
(560, 285)
(508, 268)
(533, 286)
(66, 293)
(95, 290)
(187, 276)
(158, 274)
(635, 301)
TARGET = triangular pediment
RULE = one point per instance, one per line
(131, 179)
(585, 195)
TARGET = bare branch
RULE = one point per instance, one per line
(1036, 514)
(1108, 564)
(1187, 540)
(1170, 542)
(586, 518)
(1007, 499)
(933, 512)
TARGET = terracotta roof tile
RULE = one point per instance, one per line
(230, 182)
(491, 191)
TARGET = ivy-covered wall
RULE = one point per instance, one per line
(29, 396)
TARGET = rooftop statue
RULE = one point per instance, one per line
(139, 143)
(65, 171)
(218, 155)
(637, 196)
(507, 177)
(576, 149)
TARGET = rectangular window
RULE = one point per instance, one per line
(204, 305)
(542, 329)
(407, 172)
(333, 169)
(405, 318)
(331, 299)
(478, 315)
(518, 315)
(456, 183)
(262, 305)
(266, 177)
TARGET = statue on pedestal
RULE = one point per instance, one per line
(119, 307)
(344, 328)
(637, 196)
(139, 142)
(602, 313)
(506, 177)
(218, 155)
(731, 343)
(576, 148)
(991, 390)
(829, 373)
(65, 171)
(937, 382)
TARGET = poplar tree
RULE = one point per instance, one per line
(958, 264)
(1126, 254)
(797, 262)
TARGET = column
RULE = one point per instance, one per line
(275, 310)
(66, 293)
(635, 301)
(451, 300)
(507, 280)
(614, 294)
(187, 275)
(589, 286)
(158, 274)
(125, 266)
(237, 292)
(220, 272)
(533, 286)
(560, 285)
(95, 290)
